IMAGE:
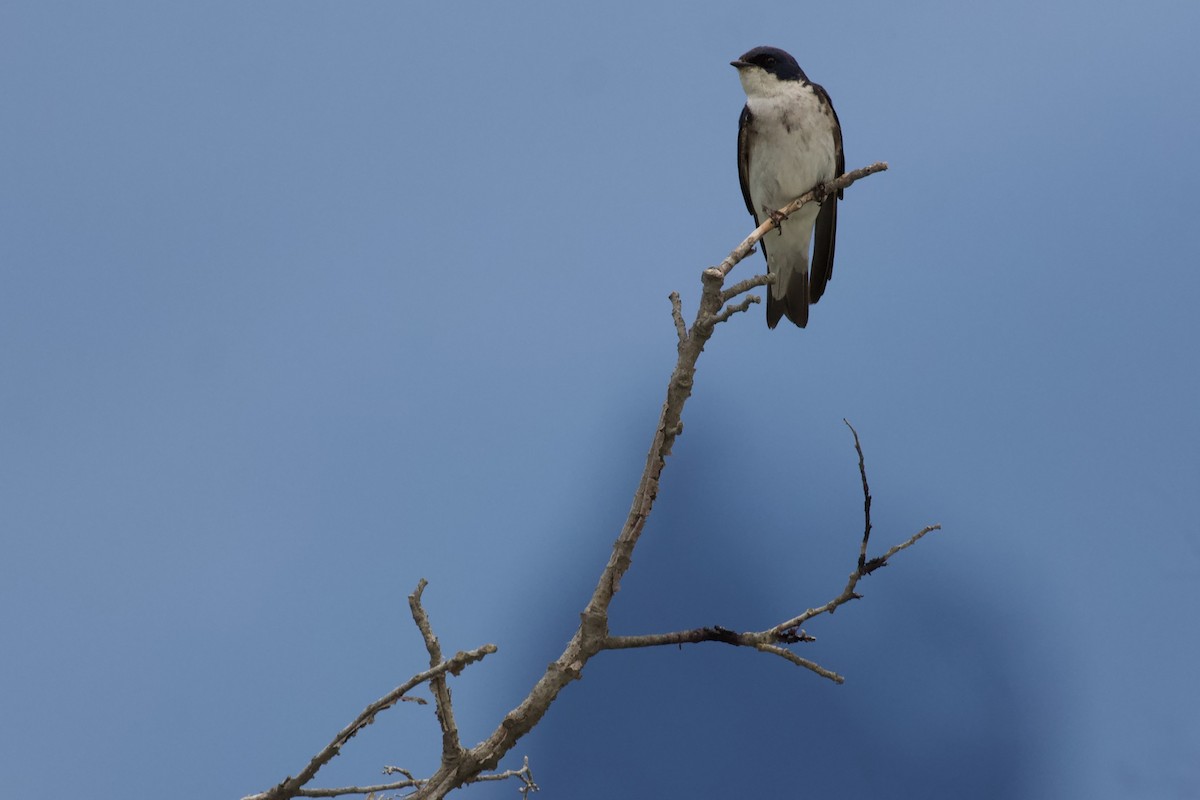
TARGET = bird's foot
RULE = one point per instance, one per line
(778, 217)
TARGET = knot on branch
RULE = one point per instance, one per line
(793, 635)
(867, 566)
(718, 634)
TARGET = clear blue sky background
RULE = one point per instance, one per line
(302, 302)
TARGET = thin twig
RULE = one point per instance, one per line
(344, 790)
(862, 470)
(745, 286)
(747, 246)
(801, 662)
(916, 537)
(524, 773)
(734, 308)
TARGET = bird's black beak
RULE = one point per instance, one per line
(739, 63)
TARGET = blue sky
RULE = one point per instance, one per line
(303, 302)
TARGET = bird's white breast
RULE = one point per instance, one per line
(794, 146)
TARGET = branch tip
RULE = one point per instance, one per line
(677, 316)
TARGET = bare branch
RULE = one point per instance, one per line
(524, 773)
(764, 641)
(916, 537)
(862, 470)
(734, 308)
(459, 766)
(864, 566)
(693, 636)
(345, 790)
(451, 748)
(745, 286)
(801, 662)
(788, 632)
(290, 787)
(715, 633)
(817, 194)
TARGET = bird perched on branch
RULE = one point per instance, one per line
(789, 141)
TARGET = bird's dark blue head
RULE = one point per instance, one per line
(773, 60)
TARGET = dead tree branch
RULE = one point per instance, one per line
(816, 194)
(788, 632)
(451, 748)
(460, 766)
(291, 787)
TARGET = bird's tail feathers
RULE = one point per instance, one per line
(796, 301)
(789, 297)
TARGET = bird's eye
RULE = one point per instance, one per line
(770, 61)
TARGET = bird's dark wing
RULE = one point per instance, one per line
(745, 145)
(825, 238)
(837, 132)
(824, 241)
(745, 141)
